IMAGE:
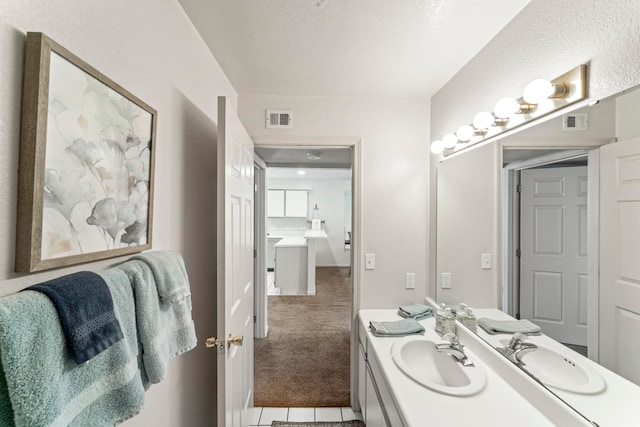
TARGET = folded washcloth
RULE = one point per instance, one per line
(415, 311)
(169, 272)
(165, 326)
(40, 385)
(396, 329)
(85, 307)
(523, 326)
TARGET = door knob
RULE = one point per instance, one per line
(212, 342)
(237, 340)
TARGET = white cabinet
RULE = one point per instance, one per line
(374, 413)
(378, 407)
(291, 266)
(287, 203)
(362, 380)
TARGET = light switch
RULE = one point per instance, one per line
(369, 261)
(446, 280)
(410, 280)
(486, 261)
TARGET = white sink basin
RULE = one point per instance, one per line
(561, 371)
(418, 358)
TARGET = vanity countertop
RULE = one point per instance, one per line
(498, 404)
(615, 406)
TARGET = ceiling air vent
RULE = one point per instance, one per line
(279, 119)
(575, 122)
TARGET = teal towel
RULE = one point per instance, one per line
(523, 326)
(85, 308)
(169, 273)
(415, 311)
(165, 325)
(396, 329)
(41, 386)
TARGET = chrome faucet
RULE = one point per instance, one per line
(517, 348)
(454, 348)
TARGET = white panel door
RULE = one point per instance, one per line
(620, 258)
(235, 268)
(553, 263)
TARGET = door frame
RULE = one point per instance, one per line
(510, 232)
(354, 143)
(260, 308)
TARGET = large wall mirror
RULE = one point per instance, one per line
(531, 201)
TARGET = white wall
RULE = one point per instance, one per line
(627, 123)
(394, 179)
(546, 39)
(151, 49)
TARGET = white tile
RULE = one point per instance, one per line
(301, 414)
(254, 416)
(273, 414)
(348, 414)
(328, 414)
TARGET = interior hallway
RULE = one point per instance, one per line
(304, 361)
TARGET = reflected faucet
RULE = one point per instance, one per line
(454, 348)
(517, 348)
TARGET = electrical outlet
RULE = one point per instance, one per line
(410, 280)
(446, 280)
(370, 261)
(486, 261)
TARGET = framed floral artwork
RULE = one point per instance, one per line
(85, 177)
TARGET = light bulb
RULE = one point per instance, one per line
(449, 140)
(483, 120)
(506, 108)
(465, 133)
(538, 90)
(437, 147)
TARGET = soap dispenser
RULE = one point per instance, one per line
(445, 321)
(470, 320)
(461, 312)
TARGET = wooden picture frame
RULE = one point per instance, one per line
(85, 177)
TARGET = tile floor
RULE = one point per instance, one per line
(265, 416)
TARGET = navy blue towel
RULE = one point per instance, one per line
(85, 308)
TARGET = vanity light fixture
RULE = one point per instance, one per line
(449, 140)
(509, 107)
(437, 146)
(484, 120)
(465, 133)
(541, 89)
(539, 98)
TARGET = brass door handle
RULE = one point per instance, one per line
(212, 342)
(237, 340)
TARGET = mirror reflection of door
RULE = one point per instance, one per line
(553, 263)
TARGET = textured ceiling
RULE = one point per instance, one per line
(407, 48)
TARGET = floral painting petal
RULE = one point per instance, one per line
(126, 108)
(56, 107)
(87, 152)
(134, 233)
(105, 216)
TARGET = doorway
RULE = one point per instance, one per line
(344, 270)
(546, 243)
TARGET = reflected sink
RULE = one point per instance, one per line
(418, 358)
(562, 371)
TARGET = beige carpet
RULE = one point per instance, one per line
(304, 361)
